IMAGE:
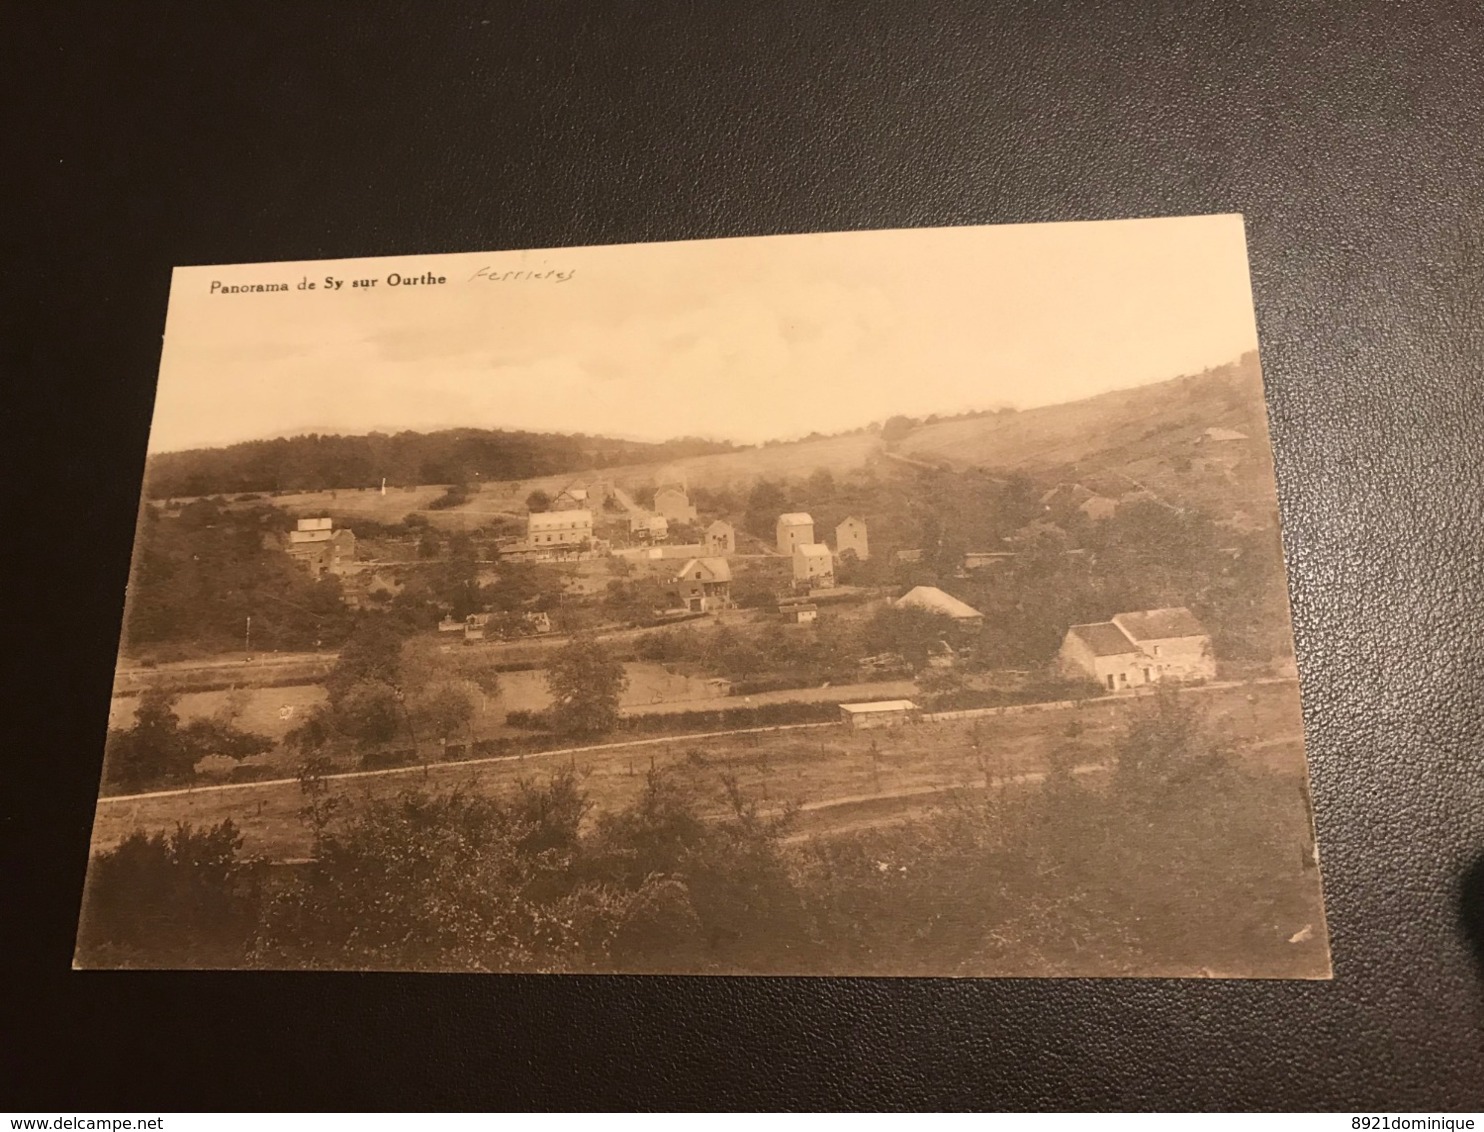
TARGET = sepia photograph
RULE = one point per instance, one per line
(884, 603)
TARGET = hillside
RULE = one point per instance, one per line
(317, 462)
(1131, 438)
(1117, 442)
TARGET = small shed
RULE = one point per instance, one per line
(799, 613)
(878, 713)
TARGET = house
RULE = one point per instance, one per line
(319, 547)
(851, 535)
(559, 528)
(598, 491)
(813, 565)
(1220, 436)
(934, 600)
(879, 713)
(794, 529)
(705, 585)
(803, 613)
(1067, 498)
(914, 555)
(1134, 649)
(648, 528)
(721, 538)
(675, 505)
(571, 498)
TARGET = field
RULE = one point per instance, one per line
(840, 779)
(506, 499)
(266, 711)
(652, 689)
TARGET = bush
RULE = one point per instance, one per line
(186, 899)
(528, 719)
(454, 496)
(1045, 691)
(383, 758)
(723, 719)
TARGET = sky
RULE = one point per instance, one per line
(746, 339)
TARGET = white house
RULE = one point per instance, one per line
(675, 505)
(794, 529)
(559, 528)
(571, 498)
(655, 528)
(319, 547)
(721, 537)
(705, 584)
(851, 535)
(814, 565)
(1135, 649)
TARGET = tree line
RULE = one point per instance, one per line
(322, 462)
(1179, 859)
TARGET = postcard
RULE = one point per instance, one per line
(890, 603)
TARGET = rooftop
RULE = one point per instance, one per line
(711, 569)
(1104, 639)
(935, 600)
(880, 705)
(793, 517)
(812, 550)
(1160, 624)
(576, 516)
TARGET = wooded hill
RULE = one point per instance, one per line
(321, 462)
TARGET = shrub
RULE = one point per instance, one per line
(184, 899)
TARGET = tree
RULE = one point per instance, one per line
(185, 899)
(538, 500)
(370, 712)
(157, 749)
(585, 681)
(152, 750)
(443, 709)
(912, 633)
(373, 653)
(897, 428)
(764, 504)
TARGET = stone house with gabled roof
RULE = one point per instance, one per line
(721, 537)
(705, 584)
(813, 565)
(794, 529)
(320, 547)
(1131, 650)
(850, 535)
(674, 504)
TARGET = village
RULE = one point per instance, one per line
(835, 618)
(832, 646)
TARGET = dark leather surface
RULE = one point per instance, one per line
(138, 137)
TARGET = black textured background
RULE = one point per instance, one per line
(139, 136)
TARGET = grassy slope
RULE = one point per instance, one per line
(1138, 433)
(1129, 436)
